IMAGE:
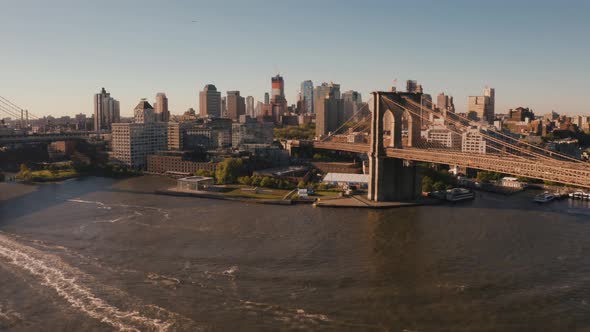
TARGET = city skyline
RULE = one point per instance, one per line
(65, 53)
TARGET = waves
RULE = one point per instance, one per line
(165, 215)
(76, 289)
(9, 317)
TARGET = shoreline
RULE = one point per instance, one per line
(341, 202)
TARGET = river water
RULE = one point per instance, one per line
(98, 254)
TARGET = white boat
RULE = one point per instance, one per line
(544, 197)
(580, 195)
(459, 194)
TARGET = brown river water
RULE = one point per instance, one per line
(97, 254)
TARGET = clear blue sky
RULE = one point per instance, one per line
(56, 54)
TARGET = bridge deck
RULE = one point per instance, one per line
(577, 174)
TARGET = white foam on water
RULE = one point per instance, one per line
(284, 314)
(231, 271)
(67, 282)
(102, 205)
(9, 317)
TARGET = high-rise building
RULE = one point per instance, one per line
(266, 98)
(81, 121)
(278, 86)
(445, 103)
(161, 107)
(258, 109)
(481, 108)
(250, 107)
(223, 107)
(144, 112)
(106, 111)
(352, 102)
(133, 142)
(307, 96)
(278, 102)
(210, 102)
(491, 93)
(235, 105)
(322, 91)
(330, 115)
(413, 86)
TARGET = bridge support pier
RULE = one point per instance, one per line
(393, 180)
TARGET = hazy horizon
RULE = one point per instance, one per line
(57, 55)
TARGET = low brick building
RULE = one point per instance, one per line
(162, 164)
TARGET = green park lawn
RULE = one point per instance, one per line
(239, 193)
(46, 175)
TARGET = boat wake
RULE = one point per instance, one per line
(165, 215)
(76, 288)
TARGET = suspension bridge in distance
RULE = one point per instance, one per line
(394, 145)
(23, 118)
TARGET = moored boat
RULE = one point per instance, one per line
(544, 197)
(459, 194)
(580, 195)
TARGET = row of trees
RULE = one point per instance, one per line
(295, 132)
(266, 182)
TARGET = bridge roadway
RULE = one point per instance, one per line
(564, 172)
(39, 138)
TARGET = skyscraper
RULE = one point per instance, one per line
(278, 86)
(133, 142)
(445, 103)
(106, 111)
(144, 113)
(413, 86)
(210, 102)
(481, 108)
(278, 101)
(330, 115)
(352, 102)
(491, 93)
(307, 95)
(266, 98)
(161, 107)
(322, 91)
(235, 105)
(250, 107)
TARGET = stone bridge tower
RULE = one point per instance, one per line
(393, 179)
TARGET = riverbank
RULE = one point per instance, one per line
(360, 201)
(220, 196)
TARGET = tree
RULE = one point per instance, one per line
(228, 170)
(25, 173)
(266, 182)
(255, 181)
(245, 180)
(485, 176)
(427, 183)
(301, 184)
(205, 173)
(439, 186)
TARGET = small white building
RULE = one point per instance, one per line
(194, 183)
(512, 183)
(347, 179)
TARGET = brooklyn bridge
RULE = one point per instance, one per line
(390, 134)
